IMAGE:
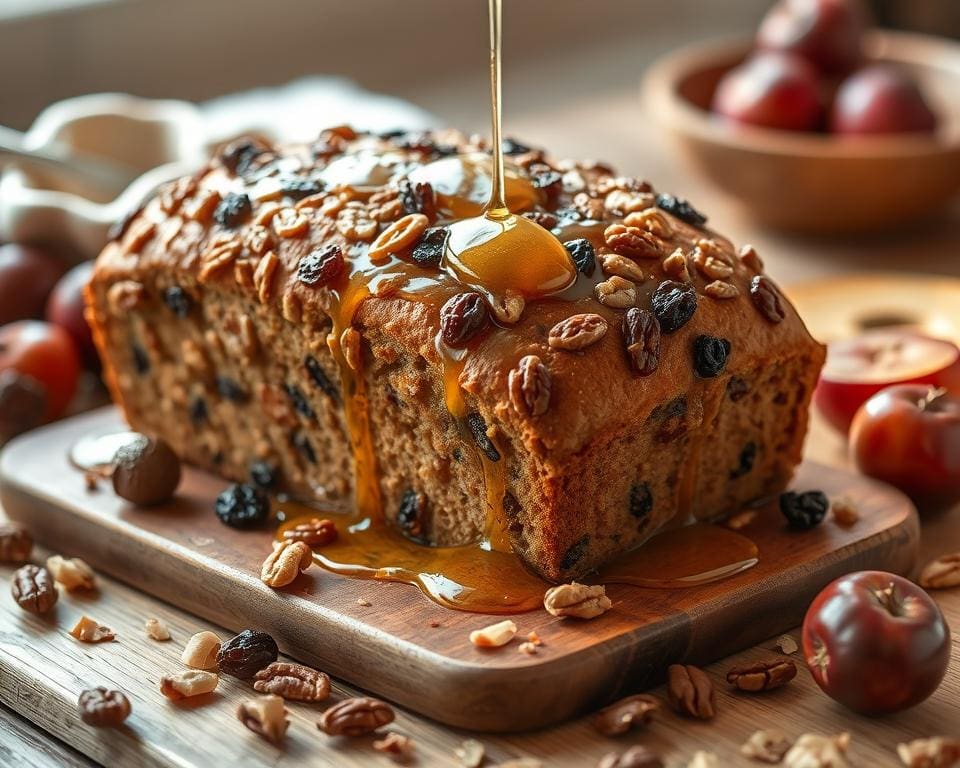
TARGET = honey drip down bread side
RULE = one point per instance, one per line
(300, 308)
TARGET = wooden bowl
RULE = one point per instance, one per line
(811, 182)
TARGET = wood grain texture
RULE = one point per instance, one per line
(182, 554)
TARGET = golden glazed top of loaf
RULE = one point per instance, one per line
(348, 234)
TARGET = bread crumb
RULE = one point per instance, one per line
(527, 648)
(787, 645)
(534, 638)
(364, 602)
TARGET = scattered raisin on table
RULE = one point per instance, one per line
(710, 356)
(103, 708)
(178, 301)
(674, 304)
(233, 210)
(804, 510)
(242, 506)
(584, 257)
(766, 298)
(478, 428)
(428, 252)
(681, 209)
(33, 589)
(247, 653)
(462, 317)
(321, 266)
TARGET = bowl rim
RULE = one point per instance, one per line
(662, 99)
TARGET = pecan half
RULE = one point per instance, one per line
(33, 589)
(938, 752)
(284, 564)
(315, 532)
(815, 751)
(529, 385)
(690, 692)
(625, 714)
(762, 676)
(941, 573)
(15, 543)
(750, 258)
(102, 708)
(396, 745)
(265, 716)
(766, 298)
(355, 717)
(633, 242)
(621, 266)
(579, 601)
(635, 757)
(766, 746)
(294, 682)
(577, 332)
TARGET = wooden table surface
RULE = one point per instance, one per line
(605, 123)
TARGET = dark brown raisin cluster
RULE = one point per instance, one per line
(242, 506)
(674, 304)
(681, 209)
(478, 428)
(584, 257)
(428, 252)
(321, 266)
(710, 356)
(246, 654)
(233, 210)
(462, 317)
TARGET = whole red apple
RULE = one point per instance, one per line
(46, 353)
(827, 33)
(859, 367)
(773, 90)
(27, 275)
(65, 308)
(909, 436)
(881, 99)
(876, 642)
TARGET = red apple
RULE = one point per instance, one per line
(827, 33)
(46, 353)
(909, 436)
(876, 642)
(65, 308)
(773, 90)
(881, 99)
(859, 367)
(27, 275)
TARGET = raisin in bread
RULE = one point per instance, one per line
(287, 312)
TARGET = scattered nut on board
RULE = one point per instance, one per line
(527, 648)
(625, 714)
(103, 708)
(470, 753)
(156, 629)
(937, 752)
(702, 759)
(815, 750)
(192, 682)
(72, 572)
(690, 691)
(767, 746)
(291, 681)
(201, 651)
(357, 716)
(787, 645)
(495, 635)
(265, 716)
(845, 512)
(16, 543)
(762, 675)
(941, 573)
(578, 601)
(399, 747)
(634, 757)
(288, 559)
(86, 630)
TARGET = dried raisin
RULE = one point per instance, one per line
(583, 255)
(462, 317)
(263, 474)
(748, 457)
(478, 428)
(681, 209)
(766, 298)
(641, 500)
(238, 156)
(102, 708)
(242, 506)
(231, 390)
(322, 266)
(246, 654)
(429, 251)
(804, 510)
(415, 198)
(299, 187)
(641, 332)
(178, 301)
(299, 401)
(573, 554)
(320, 378)
(141, 360)
(233, 210)
(411, 513)
(710, 356)
(548, 181)
(674, 304)
(513, 147)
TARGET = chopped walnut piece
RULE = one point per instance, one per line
(941, 573)
(528, 648)
(632, 242)
(620, 266)
(354, 223)
(86, 630)
(766, 746)
(651, 220)
(294, 682)
(621, 716)
(762, 675)
(787, 645)
(621, 202)
(156, 629)
(284, 564)
(509, 307)
(201, 651)
(579, 601)
(845, 512)
(616, 292)
(703, 759)
(577, 332)
(494, 635)
(675, 266)
(72, 572)
(690, 692)
(634, 757)
(815, 751)
(396, 745)
(470, 753)
(710, 265)
(721, 290)
(263, 276)
(350, 345)
(192, 682)
(363, 602)
(533, 637)
(751, 259)
(265, 716)
(938, 752)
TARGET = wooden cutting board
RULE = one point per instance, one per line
(182, 554)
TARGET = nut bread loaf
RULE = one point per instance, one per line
(289, 316)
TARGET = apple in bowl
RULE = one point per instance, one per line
(858, 368)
